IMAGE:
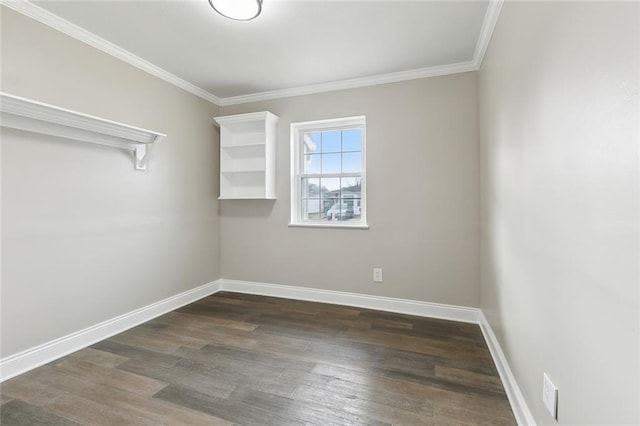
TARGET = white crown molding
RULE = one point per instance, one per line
(490, 19)
(351, 83)
(24, 361)
(39, 14)
(389, 304)
(516, 399)
(488, 25)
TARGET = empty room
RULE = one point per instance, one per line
(309, 212)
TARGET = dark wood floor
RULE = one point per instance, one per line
(252, 360)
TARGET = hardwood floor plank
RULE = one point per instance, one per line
(158, 411)
(60, 394)
(88, 412)
(205, 383)
(469, 378)
(136, 353)
(112, 377)
(302, 411)
(93, 356)
(365, 391)
(51, 376)
(232, 410)
(177, 318)
(27, 389)
(472, 411)
(361, 407)
(253, 358)
(152, 343)
(16, 413)
(427, 346)
(435, 382)
(4, 398)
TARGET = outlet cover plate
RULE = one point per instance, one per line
(377, 275)
(550, 396)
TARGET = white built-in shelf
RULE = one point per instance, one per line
(26, 114)
(248, 156)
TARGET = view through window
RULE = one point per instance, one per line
(329, 172)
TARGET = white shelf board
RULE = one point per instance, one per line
(246, 198)
(29, 115)
(230, 172)
(246, 145)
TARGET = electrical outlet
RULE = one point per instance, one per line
(377, 275)
(550, 395)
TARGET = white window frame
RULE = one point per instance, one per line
(297, 129)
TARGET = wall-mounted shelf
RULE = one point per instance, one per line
(26, 114)
(247, 156)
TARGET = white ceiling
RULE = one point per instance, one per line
(292, 44)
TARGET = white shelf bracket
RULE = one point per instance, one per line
(29, 115)
(140, 155)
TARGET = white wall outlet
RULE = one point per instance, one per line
(377, 275)
(550, 396)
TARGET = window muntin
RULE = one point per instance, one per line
(328, 173)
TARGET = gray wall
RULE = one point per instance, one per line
(559, 163)
(85, 237)
(422, 197)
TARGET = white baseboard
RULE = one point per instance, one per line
(27, 360)
(24, 361)
(516, 399)
(389, 304)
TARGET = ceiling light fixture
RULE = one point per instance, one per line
(240, 10)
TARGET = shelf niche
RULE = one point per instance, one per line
(33, 116)
(248, 156)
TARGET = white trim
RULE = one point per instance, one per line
(27, 360)
(296, 130)
(39, 14)
(516, 399)
(29, 115)
(345, 225)
(490, 19)
(353, 83)
(54, 21)
(388, 304)
(488, 25)
(24, 361)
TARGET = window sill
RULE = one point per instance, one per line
(330, 225)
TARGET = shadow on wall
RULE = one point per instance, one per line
(246, 208)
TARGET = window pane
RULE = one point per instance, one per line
(311, 209)
(329, 172)
(311, 142)
(350, 187)
(311, 164)
(331, 141)
(331, 163)
(354, 205)
(330, 188)
(352, 162)
(340, 211)
(352, 140)
(310, 188)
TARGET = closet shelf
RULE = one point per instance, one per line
(29, 115)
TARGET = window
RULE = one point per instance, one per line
(328, 173)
